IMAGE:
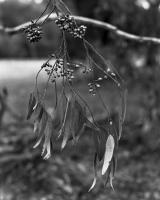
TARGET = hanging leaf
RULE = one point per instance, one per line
(61, 111)
(93, 184)
(120, 123)
(50, 124)
(31, 105)
(97, 143)
(47, 140)
(122, 113)
(37, 110)
(95, 173)
(91, 125)
(38, 142)
(66, 129)
(78, 120)
(114, 164)
(39, 129)
(74, 121)
(111, 181)
(43, 124)
(112, 172)
(113, 130)
(41, 112)
(100, 138)
(124, 102)
(80, 133)
(107, 175)
(36, 127)
(108, 153)
(55, 116)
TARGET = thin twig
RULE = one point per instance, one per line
(97, 23)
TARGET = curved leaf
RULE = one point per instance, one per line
(95, 173)
(39, 129)
(47, 140)
(112, 171)
(122, 113)
(120, 128)
(100, 138)
(110, 143)
(43, 124)
(31, 105)
(78, 119)
(40, 113)
(107, 175)
(112, 130)
(36, 126)
(38, 142)
(74, 121)
(124, 103)
(66, 129)
(93, 184)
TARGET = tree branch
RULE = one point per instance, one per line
(97, 23)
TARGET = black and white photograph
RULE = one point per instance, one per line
(79, 99)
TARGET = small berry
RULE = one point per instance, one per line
(33, 32)
(98, 85)
(67, 23)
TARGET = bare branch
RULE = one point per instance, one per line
(100, 24)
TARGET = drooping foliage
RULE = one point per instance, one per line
(71, 112)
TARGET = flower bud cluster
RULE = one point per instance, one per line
(59, 71)
(33, 32)
(94, 86)
(67, 23)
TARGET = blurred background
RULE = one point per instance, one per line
(68, 174)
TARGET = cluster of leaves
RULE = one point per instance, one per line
(71, 113)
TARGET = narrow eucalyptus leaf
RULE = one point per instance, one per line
(79, 133)
(100, 138)
(111, 180)
(40, 114)
(38, 142)
(63, 115)
(67, 124)
(78, 120)
(37, 108)
(93, 184)
(124, 104)
(112, 172)
(115, 134)
(31, 104)
(43, 124)
(47, 140)
(120, 128)
(91, 125)
(97, 143)
(95, 172)
(114, 165)
(110, 144)
(107, 175)
(36, 126)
